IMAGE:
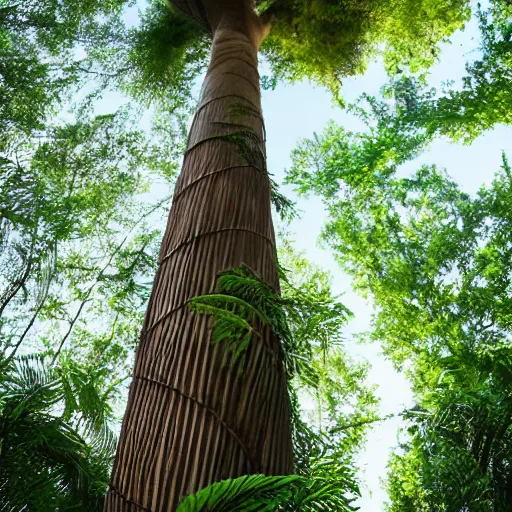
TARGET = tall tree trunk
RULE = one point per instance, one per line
(193, 419)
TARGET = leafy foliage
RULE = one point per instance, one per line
(250, 492)
(325, 40)
(55, 443)
(155, 61)
(483, 101)
(166, 52)
(284, 207)
(64, 200)
(38, 62)
(328, 436)
(458, 455)
(243, 300)
(436, 263)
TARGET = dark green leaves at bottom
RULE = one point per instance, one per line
(267, 493)
(250, 492)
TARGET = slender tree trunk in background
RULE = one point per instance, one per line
(193, 419)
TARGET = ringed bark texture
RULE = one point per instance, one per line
(192, 419)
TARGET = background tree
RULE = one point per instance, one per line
(77, 238)
(435, 262)
(76, 250)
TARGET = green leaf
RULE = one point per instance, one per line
(250, 492)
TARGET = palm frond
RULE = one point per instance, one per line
(249, 493)
(260, 493)
(56, 449)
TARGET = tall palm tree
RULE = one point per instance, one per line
(193, 419)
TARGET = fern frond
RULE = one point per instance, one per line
(249, 493)
(259, 493)
(284, 207)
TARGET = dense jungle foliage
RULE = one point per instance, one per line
(85, 190)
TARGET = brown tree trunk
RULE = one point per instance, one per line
(192, 419)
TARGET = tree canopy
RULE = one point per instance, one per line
(39, 42)
(327, 41)
(323, 41)
(483, 100)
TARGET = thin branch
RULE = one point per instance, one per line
(99, 73)
(21, 282)
(25, 332)
(101, 275)
(73, 322)
(364, 422)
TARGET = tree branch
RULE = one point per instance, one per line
(21, 282)
(100, 276)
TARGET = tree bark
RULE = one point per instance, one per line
(192, 419)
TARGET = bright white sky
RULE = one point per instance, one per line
(296, 111)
